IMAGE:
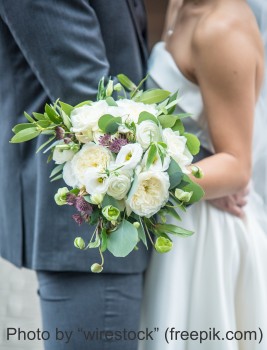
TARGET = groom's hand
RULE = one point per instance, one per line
(233, 204)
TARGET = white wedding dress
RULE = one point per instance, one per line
(218, 277)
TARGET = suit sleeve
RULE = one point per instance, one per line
(62, 43)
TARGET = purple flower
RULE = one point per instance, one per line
(105, 140)
(116, 145)
(71, 199)
(77, 218)
(83, 206)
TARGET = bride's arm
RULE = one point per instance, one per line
(226, 63)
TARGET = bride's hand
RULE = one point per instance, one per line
(232, 204)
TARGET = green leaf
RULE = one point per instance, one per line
(28, 117)
(147, 116)
(178, 126)
(132, 95)
(172, 212)
(198, 191)
(167, 121)
(142, 235)
(111, 102)
(104, 240)
(152, 154)
(175, 174)
(44, 123)
(25, 135)
(60, 176)
(48, 132)
(45, 144)
(66, 119)
(56, 170)
(52, 114)
(109, 124)
(192, 143)
(126, 82)
(173, 229)
(172, 98)
(94, 216)
(17, 128)
(153, 96)
(122, 241)
(66, 108)
(108, 200)
(39, 116)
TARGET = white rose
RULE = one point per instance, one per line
(133, 109)
(90, 156)
(129, 156)
(119, 185)
(149, 193)
(147, 132)
(95, 182)
(157, 164)
(177, 148)
(85, 118)
(61, 156)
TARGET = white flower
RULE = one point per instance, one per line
(157, 164)
(133, 109)
(68, 175)
(85, 118)
(61, 156)
(90, 156)
(119, 185)
(149, 193)
(95, 182)
(177, 148)
(129, 156)
(147, 132)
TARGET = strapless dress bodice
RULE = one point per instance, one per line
(164, 73)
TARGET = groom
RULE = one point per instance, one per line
(53, 49)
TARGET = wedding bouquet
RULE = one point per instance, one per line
(126, 162)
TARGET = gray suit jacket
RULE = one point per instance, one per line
(53, 49)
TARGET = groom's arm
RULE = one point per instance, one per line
(62, 43)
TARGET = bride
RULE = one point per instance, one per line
(214, 282)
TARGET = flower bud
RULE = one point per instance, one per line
(117, 87)
(79, 243)
(136, 225)
(183, 196)
(163, 245)
(109, 88)
(111, 213)
(61, 196)
(97, 198)
(96, 268)
(197, 172)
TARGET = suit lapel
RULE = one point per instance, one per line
(141, 39)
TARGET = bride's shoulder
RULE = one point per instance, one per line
(228, 27)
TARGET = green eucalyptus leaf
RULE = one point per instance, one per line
(192, 143)
(175, 174)
(147, 116)
(25, 135)
(108, 200)
(153, 96)
(126, 82)
(109, 124)
(122, 241)
(178, 126)
(167, 121)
